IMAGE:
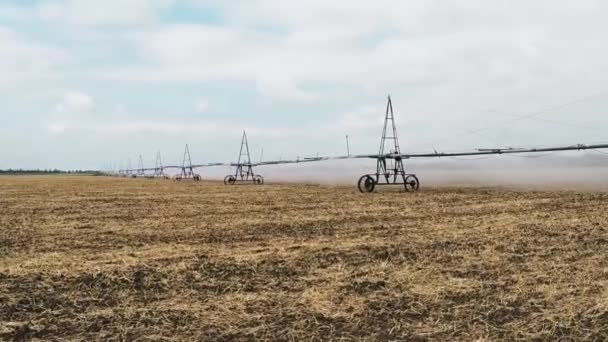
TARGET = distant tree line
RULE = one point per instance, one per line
(46, 172)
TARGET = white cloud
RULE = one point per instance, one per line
(201, 106)
(120, 109)
(98, 13)
(23, 60)
(290, 50)
(57, 127)
(128, 128)
(75, 102)
(452, 60)
(71, 112)
(13, 12)
(358, 121)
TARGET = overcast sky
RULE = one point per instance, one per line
(90, 83)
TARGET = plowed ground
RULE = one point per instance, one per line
(97, 258)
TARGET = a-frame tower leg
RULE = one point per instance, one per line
(140, 168)
(187, 170)
(390, 169)
(244, 167)
(159, 170)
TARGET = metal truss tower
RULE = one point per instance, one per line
(244, 167)
(187, 170)
(140, 168)
(389, 165)
(129, 173)
(159, 170)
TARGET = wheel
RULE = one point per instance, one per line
(258, 180)
(366, 184)
(197, 178)
(229, 180)
(411, 183)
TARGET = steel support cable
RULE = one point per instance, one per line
(528, 156)
(598, 151)
(543, 111)
(522, 117)
(566, 124)
(478, 158)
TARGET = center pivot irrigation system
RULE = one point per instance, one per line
(390, 169)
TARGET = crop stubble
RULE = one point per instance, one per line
(106, 258)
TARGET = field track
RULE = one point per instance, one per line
(98, 258)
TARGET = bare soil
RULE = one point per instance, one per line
(96, 258)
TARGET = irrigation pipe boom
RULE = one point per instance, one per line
(390, 168)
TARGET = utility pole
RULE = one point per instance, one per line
(347, 147)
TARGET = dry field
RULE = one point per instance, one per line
(93, 258)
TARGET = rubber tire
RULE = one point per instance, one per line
(258, 180)
(229, 180)
(411, 183)
(366, 184)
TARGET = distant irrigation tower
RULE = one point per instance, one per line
(159, 170)
(141, 172)
(244, 168)
(187, 169)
